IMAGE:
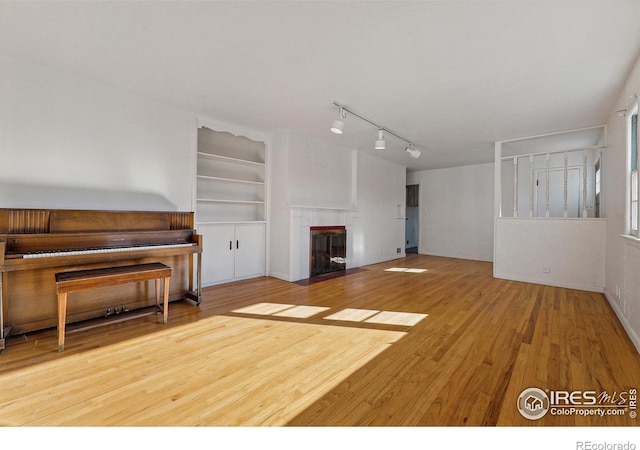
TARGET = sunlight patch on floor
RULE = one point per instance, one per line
(405, 319)
(281, 310)
(301, 312)
(263, 308)
(353, 314)
(405, 269)
(220, 371)
(380, 317)
(396, 318)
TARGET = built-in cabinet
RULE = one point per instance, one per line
(232, 252)
(231, 205)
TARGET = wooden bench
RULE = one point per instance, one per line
(81, 280)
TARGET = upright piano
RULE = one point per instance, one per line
(35, 244)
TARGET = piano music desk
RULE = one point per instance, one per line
(80, 280)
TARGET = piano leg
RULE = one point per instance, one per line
(2, 284)
(191, 271)
(62, 319)
(199, 292)
(165, 308)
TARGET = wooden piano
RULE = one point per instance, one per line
(35, 244)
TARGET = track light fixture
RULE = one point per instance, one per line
(413, 151)
(338, 126)
(380, 143)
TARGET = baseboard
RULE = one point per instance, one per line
(559, 284)
(280, 276)
(468, 258)
(623, 320)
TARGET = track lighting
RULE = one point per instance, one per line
(380, 143)
(338, 126)
(413, 151)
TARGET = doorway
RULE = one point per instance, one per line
(412, 219)
(556, 192)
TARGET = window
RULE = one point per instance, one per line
(633, 171)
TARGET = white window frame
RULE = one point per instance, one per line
(633, 188)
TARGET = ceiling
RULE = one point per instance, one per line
(451, 76)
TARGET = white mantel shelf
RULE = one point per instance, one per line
(326, 208)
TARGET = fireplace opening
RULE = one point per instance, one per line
(328, 250)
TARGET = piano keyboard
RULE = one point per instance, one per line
(93, 251)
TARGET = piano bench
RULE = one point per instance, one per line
(81, 280)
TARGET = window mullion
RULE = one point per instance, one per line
(634, 185)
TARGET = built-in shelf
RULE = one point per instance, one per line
(228, 159)
(326, 208)
(230, 178)
(219, 200)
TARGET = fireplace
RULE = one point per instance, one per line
(328, 250)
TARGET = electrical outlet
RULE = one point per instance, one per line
(399, 250)
(546, 269)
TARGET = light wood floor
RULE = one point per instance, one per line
(264, 352)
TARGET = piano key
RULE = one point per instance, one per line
(104, 250)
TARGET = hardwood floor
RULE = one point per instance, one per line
(265, 352)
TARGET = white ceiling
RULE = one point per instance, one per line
(452, 76)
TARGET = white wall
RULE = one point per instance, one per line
(622, 253)
(556, 252)
(320, 175)
(456, 211)
(69, 143)
(379, 222)
(279, 238)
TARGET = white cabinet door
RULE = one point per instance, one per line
(218, 248)
(231, 252)
(249, 250)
